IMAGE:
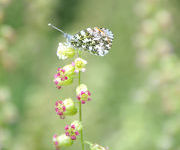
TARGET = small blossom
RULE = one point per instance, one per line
(83, 94)
(60, 108)
(79, 64)
(66, 107)
(69, 69)
(72, 130)
(65, 51)
(70, 107)
(62, 140)
(97, 147)
(77, 125)
(81, 87)
(63, 76)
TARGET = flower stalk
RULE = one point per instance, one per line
(80, 107)
(80, 115)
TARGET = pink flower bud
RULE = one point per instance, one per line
(89, 93)
(67, 133)
(73, 64)
(73, 137)
(60, 113)
(73, 126)
(83, 102)
(56, 142)
(58, 87)
(66, 127)
(77, 133)
(82, 92)
(56, 109)
(56, 82)
(60, 108)
(64, 76)
(78, 97)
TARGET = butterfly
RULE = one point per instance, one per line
(97, 41)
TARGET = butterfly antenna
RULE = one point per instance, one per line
(54, 27)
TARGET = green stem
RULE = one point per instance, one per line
(80, 114)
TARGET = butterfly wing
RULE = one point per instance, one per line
(97, 41)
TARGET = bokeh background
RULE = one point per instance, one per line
(135, 88)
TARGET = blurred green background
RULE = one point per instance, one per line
(135, 88)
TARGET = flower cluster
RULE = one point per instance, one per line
(79, 65)
(73, 129)
(65, 51)
(97, 147)
(65, 108)
(61, 140)
(60, 108)
(82, 93)
(64, 76)
(71, 132)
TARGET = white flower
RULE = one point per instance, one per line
(62, 140)
(80, 64)
(65, 51)
(80, 88)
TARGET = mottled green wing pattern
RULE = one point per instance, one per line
(97, 41)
